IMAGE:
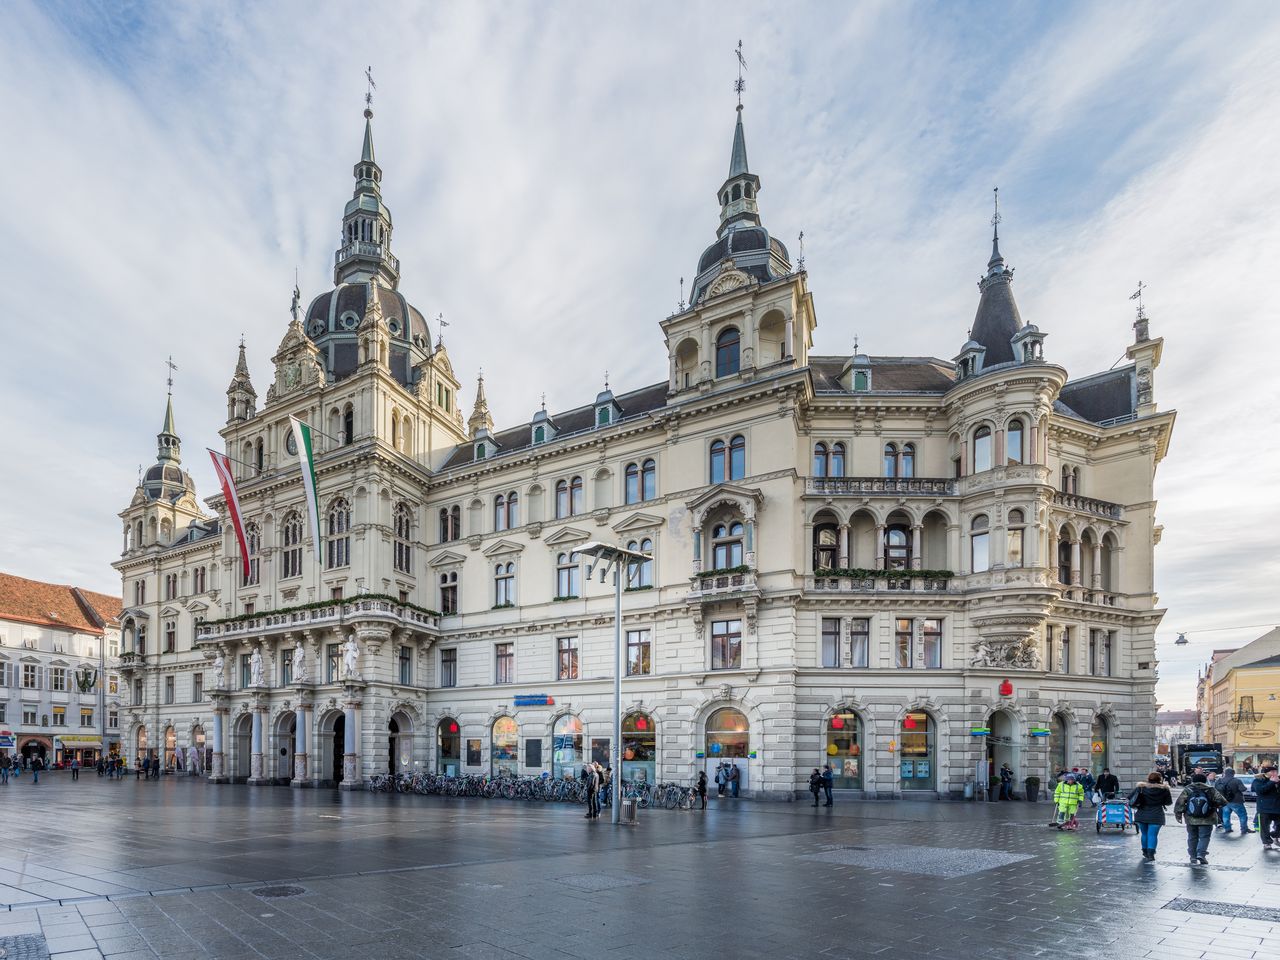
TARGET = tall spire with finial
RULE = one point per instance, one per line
(168, 446)
(997, 319)
(480, 419)
(738, 194)
(241, 397)
(365, 251)
(1141, 325)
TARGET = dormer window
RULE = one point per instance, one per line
(861, 380)
(482, 451)
(602, 417)
(539, 434)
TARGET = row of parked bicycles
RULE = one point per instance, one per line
(669, 796)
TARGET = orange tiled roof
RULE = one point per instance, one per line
(107, 607)
(52, 604)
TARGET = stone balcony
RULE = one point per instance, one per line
(879, 486)
(335, 614)
(364, 248)
(724, 586)
(1090, 505)
(895, 585)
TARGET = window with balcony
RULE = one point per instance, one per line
(403, 545)
(286, 667)
(332, 662)
(826, 546)
(567, 658)
(449, 667)
(639, 653)
(897, 547)
(890, 459)
(726, 644)
(504, 663)
(449, 593)
(982, 449)
(1016, 538)
(726, 545)
(253, 546)
(1013, 441)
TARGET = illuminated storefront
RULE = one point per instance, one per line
(916, 744)
(504, 753)
(844, 750)
(448, 747)
(1099, 734)
(566, 747)
(639, 748)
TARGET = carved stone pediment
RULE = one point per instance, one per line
(729, 279)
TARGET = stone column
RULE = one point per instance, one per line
(842, 545)
(257, 772)
(1095, 581)
(879, 546)
(1033, 445)
(300, 778)
(750, 553)
(808, 548)
(917, 539)
(953, 547)
(788, 348)
(1075, 562)
(217, 771)
(351, 779)
(697, 551)
(1000, 457)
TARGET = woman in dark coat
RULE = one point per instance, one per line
(1148, 801)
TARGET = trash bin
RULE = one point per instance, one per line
(968, 790)
(628, 812)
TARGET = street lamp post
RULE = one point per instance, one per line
(607, 556)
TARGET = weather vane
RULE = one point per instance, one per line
(606, 379)
(995, 217)
(1137, 295)
(800, 261)
(739, 85)
(172, 367)
(682, 293)
(855, 344)
(544, 401)
(368, 94)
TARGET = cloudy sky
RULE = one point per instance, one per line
(552, 169)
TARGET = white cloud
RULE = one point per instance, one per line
(552, 172)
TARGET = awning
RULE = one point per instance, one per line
(75, 742)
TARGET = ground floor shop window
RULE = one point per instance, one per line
(639, 748)
(1057, 746)
(505, 748)
(844, 750)
(728, 734)
(566, 747)
(170, 748)
(448, 747)
(1098, 746)
(916, 752)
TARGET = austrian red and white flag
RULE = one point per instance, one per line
(226, 479)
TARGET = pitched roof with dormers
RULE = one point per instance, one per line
(56, 605)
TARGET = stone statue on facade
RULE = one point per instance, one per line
(1021, 654)
(219, 672)
(255, 668)
(351, 659)
(300, 664)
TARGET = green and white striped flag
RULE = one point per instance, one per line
(307, 460)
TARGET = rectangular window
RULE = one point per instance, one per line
(137, 693)
(246, 670)
(504, 663)
(1050, 663)
(59, 716)
(58, 679)
(4, 712)
(449, 667)
(28, 716)
(726, 644)
(332, 660)
(1093, 653)
(168, 689)
(86, 717)
(830, 642)
(113, 646)
(448, 593)
(197, 688)
(29, 676)
(904, 649)
(859, 641)
(286, 667)
(1066, 649)
(639, 653)
(1015, 546)
(335, 593)
(567, 658)
(249, 608)
(113, 720)
(406, 666)
(1108, 652)
(931, 640)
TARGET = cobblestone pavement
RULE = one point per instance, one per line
(182, 869)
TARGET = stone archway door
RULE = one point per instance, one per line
(283, 737)
(1003, 746)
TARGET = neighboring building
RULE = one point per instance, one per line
(59, 672)
(1204, 692)
(1174, 727)
(1243, 701)
(855, 559)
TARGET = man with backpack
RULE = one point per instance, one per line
(1200, 804)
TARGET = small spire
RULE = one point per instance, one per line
(996, 259)
(366, 153)
(800, 259)
(480, 419)
(738, 157)
(441, 323)
(544, 401)
(606, 380)
(172, 367)
(855, 344)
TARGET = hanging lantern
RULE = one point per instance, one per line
(1006, 688)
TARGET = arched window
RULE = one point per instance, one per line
(448, 747)
(395, 429)
(348, 424)
(291, 545)
(504, 751)
(566, 748)
(568, 576)
(1064, 559)
(403, 547)
(499, 512)
(562, 499)
(444, 524)
(198, 580)
(1013, 441)
(539, 434)
(737, 191)
(726, 545)
(837, 460)
(1065, 485)
(844, 750)
(908, 460)
(639, 748)
(649, 479)
(819, 459)
(513, 510)
(979, 544)
(1075, 479)
(727, 345)
(1100, 745)
(747, 191)
(449, 593)
(640, 572)
(890, 459)
(504, 585)
(259, 457)
(728, 735)
(1017, 538)
(137, 534)
(897, 547)
(717, 461)
(455, 523)
(737, 457)
(982, 449)
(826, 547)
(575, 496)
(338, 535)
(916, 751)
(632, 483)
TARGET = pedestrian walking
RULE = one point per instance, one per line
(702, 787)
(1109, 784)
(36, 765)
(1266, 787)
(1148, 801)
(1067, 797)
(1006, 782)
(1199, 804)
(1089, 785)
(828, 781)
(815, 784)
(722, 779)
(733, 779)
(100, 766)
(1232, 789)
(5, 763)
(75, 769)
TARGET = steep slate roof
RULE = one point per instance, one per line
(905, 374)
(197, 531)
(1265, 647)
(54, 604)
(1103, 396)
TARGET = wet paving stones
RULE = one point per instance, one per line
(182, 869)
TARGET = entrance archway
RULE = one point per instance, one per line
(566, 747)
(242, 741)
(843, 749)
(504, 748)
(1057, 747)
(337, 748)
(286, 730)
(170, 748)
(728, 740)
(917, 751)
(139, 746)
(1099, 745)
(1001, 745)
(448, 747)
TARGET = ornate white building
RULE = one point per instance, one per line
(860, 560)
